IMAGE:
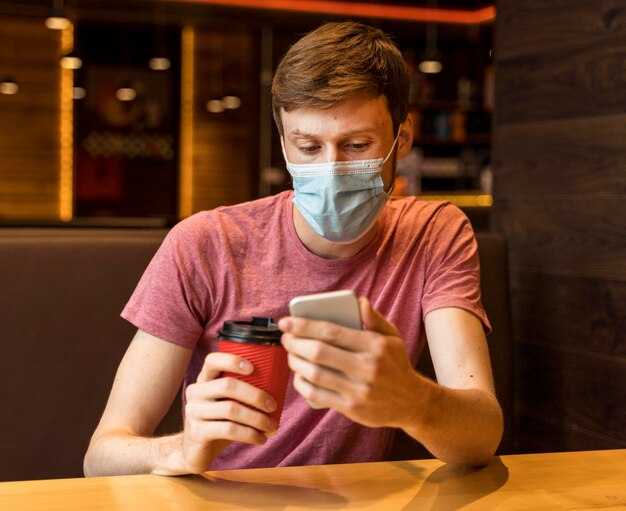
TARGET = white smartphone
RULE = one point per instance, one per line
(340, 307)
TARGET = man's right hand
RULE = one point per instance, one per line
(220, 410)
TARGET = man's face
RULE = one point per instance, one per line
(360, 129)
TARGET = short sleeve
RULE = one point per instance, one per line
(452, 277)
(173, 295)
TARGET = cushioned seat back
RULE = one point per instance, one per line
(62, 339)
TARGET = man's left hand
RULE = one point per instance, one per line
(364, 374)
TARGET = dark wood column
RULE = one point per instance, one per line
(560, 199)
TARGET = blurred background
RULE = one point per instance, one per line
(152, 110)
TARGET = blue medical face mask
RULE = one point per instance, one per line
(340, 200)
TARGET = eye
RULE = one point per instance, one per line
(357, 146)
(308, 149)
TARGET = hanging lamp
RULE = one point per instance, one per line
(431, 57)
(57, 18)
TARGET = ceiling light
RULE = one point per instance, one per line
(8, 86)
(57, 17)
(78, 92)
(159, 63)
(126, 94)
(57, 22)
(231, 102)
(71, 61)
(431, 58)
(215, 106)
(430, 66)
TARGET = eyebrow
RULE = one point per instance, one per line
(358, 131)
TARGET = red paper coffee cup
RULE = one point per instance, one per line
(259, 342)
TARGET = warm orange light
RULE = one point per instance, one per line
(66, 132)
(462, 200)
(185, 202)
(364, 10)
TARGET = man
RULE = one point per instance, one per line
(340, 98)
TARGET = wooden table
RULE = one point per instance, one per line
(575, 480)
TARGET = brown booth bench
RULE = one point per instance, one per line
(61, 339)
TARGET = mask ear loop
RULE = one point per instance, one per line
(282, 146)
(393, 182)
(393, 146)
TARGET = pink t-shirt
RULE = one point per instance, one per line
(246, 260)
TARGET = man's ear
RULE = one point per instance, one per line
(405, 137)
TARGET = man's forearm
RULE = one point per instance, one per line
(458, 425)
(120, 453)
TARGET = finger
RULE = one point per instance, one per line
(333, 367)
(321, 353)
(320, 376)
(233, 389)
(330, 333)
(374, 320)
(217, 362)
(317, 397)
(226, 430)
(231, 411)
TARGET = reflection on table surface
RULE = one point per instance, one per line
(575, 480)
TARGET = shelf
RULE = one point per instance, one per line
(451, 128)
(462, 199)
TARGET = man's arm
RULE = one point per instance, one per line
(465, 423)
(366, 375)
(146, 384)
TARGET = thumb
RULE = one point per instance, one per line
(374, 320)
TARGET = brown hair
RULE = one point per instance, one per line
(336, 62)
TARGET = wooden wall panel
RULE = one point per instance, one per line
(29, 127)
(569, 82)
(565, 156)
(550, 434)
(544, 304)
(560, 199)
(529, 28)
(225, 144)
(565, 235)
(579, 389)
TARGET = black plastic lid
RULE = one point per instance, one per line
(257, 331)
